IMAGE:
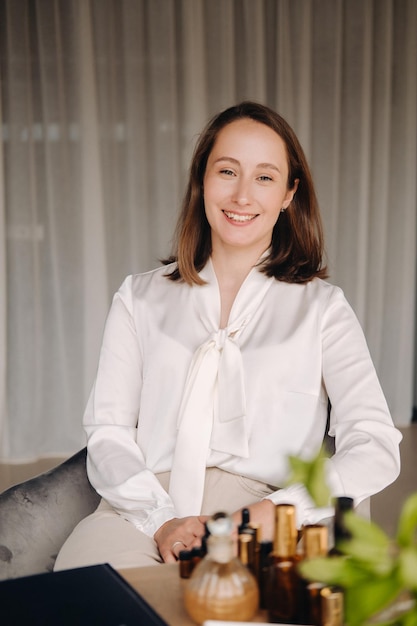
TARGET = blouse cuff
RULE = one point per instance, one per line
(306, 511)
(155, 521)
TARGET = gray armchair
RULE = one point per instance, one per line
(37, 515)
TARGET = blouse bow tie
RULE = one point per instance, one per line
(212, 415)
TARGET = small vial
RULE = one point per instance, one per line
(185, 559)
(247, 551)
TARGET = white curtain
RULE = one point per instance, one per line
(100, 105)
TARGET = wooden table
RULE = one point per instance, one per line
(162, 588)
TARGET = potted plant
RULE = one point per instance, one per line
(377, 573)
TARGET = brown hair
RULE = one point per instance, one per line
(296, 251)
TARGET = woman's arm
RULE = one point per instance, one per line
(115, 462)
(366, 455)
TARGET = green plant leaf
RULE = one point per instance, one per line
(312, 475)
(366, 531)
(340, 571)
(364, 600)
(407, 522)
(410, 619)
(369, 545)
(407, 564)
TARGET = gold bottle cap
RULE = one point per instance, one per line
(285, 540)
(246, 548)
(257, 531)
(332, 607)
(315, 540)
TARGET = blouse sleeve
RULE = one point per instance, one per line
(366, 455)
(115, 463)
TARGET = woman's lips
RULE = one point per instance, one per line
(239, 217)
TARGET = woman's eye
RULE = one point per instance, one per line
(227, 172)
(265, 178)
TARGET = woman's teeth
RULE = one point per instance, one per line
(237, 217)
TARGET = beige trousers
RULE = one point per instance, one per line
(105, 537)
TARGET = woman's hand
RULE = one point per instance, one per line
(179, 534)
(262, 513)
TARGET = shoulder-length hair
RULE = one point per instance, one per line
(296, 251)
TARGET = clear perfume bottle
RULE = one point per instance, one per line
(221, 587)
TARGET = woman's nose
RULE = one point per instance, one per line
(242, 193)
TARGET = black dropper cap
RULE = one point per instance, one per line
(244, 526)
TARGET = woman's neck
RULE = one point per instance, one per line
(231, 270)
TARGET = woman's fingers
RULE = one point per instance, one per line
(179, 534)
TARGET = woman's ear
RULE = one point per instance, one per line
(290, 194)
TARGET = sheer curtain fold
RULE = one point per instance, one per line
(399, 296)
(93, 228)
(4, 437)
(326, 153)
(101, 104)
(193, 78)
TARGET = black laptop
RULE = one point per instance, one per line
(88, 596)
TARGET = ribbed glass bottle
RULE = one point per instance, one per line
(220, 587)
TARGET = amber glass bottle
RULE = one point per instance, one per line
(257, 543)
(221, 587)
(185, 559)
(315, 544)
(247, 551)
(340, 533)
(265, 549)
(283, 579)
(245, 523)
(332, 607)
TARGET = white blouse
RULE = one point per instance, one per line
(175, 393)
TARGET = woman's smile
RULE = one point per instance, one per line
(239, 218)
(246, 186)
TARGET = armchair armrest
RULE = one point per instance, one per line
(37, 515)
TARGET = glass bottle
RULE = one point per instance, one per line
(203, 550)
(315, 544)
(245, 523)
(220, 587)
(332, 606)
(185, 559)
(246, 551)
(257, 543)
(283, 578)
(340, 532)
(265, 549)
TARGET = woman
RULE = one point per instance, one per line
(217, 366)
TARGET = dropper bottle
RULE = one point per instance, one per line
(221, 587)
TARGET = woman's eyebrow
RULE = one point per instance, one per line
(233, 160)
(269, 165)
(226, 158)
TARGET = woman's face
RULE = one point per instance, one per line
(245, 186)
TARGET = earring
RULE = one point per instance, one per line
(283, 210)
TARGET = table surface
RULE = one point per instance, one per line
(162, 587)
